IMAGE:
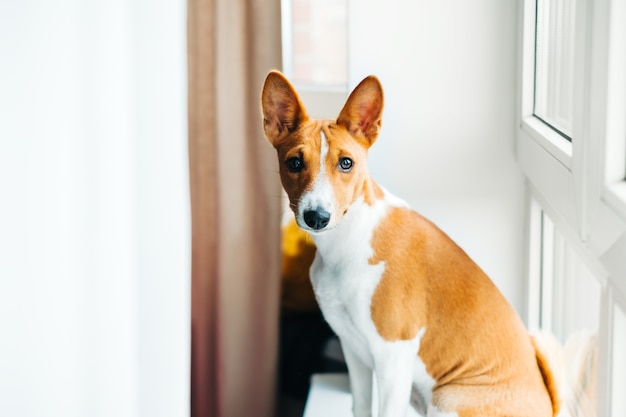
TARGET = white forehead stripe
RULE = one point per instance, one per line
(321, 184)
(323, 152)
(320, 195)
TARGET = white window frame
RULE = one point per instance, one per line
(580, 184)
(615, 193)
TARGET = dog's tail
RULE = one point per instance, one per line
(569, 372)
(546, 347)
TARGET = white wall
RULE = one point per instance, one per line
(94, 216)
(447, 144)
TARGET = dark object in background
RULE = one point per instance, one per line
(303, 351)
(303, 339)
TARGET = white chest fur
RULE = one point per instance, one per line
(344, 281)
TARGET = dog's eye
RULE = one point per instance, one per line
(345, 164)
(294, 164)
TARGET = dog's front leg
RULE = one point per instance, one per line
(394, 375)
(360, 383)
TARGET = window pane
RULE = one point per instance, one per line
(315, 48)
(619, 363)
(570, 292)
(554, 64)
(570, 310)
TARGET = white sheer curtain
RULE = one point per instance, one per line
(94, 209)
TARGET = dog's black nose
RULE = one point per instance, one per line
(316, 219)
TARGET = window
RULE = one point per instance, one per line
(571, 147)
(566, 298)
(315, 43)
(554, 64)
(570, 294)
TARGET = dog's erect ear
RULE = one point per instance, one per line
(363, 111)
(282, 110)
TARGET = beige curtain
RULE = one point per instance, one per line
(235, 204)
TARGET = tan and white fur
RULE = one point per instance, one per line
(409, 306)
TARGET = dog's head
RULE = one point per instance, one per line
(322, 162)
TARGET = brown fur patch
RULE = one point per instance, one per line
(397, 307)
(475, 346)
(347, 186)
(305, 144)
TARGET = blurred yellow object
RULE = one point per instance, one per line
(298, 252)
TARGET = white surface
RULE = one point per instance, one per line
(330, 397)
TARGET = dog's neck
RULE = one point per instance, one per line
(356, 225)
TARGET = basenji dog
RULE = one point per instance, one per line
(408, 305)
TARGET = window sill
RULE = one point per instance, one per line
(330, 397)
(615, 198)
(548, 139)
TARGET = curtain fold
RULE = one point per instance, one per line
(235, 208)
